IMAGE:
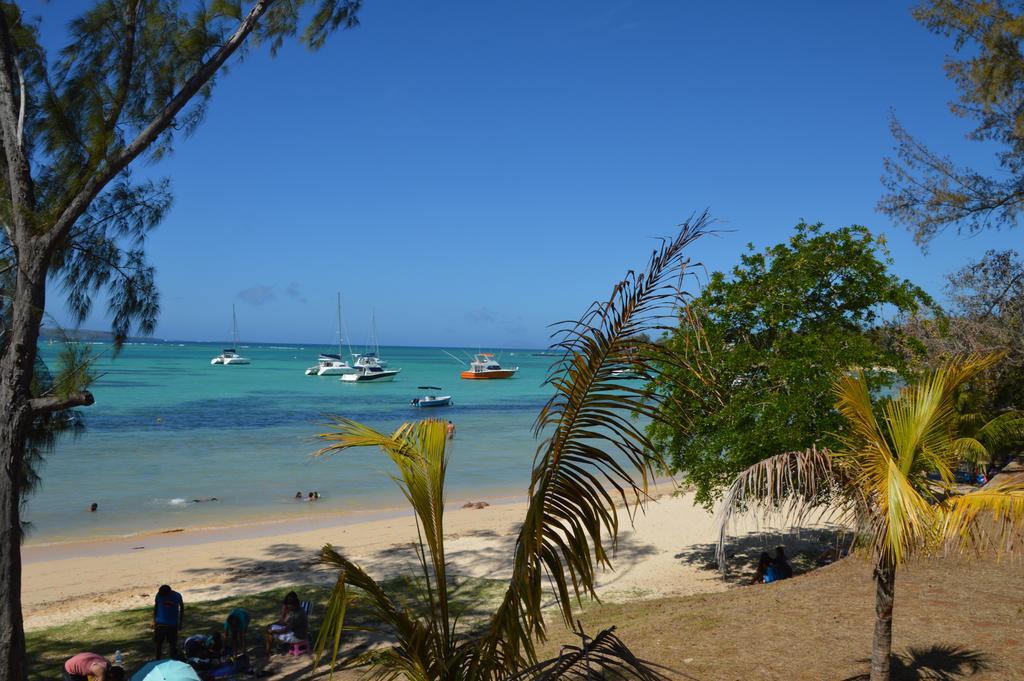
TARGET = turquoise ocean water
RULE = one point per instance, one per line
(168, 427)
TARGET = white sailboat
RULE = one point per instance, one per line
(329, 364)
(230, 355)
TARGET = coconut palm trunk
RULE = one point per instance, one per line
(881, 645)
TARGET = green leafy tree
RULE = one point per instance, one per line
(772, 337)
(877, 481)
(927, 191)
(591, 455)
(134, 76)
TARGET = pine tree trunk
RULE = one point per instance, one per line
(16, 366)
(881, 646)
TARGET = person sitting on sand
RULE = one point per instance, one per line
(91, 667)
(783, 570)
(168, 613)
(765, 573)
(292, 627)
(235, 628)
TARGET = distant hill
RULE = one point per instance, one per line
(89, 335)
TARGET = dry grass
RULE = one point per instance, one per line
(964, 618)
(954, 619)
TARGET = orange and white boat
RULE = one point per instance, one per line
(485, 366)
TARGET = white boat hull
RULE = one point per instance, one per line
(425, 402)
(371, 377)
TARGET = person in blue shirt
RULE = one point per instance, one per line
(168, 614)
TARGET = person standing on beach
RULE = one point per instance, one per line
(168, 614)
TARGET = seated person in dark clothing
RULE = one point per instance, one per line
(783, 570)
(765, 573)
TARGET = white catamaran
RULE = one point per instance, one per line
(230, 355)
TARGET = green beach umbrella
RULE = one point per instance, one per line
(166, 670)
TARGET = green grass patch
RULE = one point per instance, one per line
(129, 630)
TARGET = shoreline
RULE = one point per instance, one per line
(251, 527)
(665, 552)
(105, 545)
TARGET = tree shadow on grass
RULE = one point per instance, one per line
(939, 662)
(805, 549)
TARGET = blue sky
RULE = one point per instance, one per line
(476, 171)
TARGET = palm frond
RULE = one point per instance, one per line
(904, 518)
(419, 452)
(793, 486)
(985, 519)
(1003, 430)
(592, 451)
(602, 657)
(864, 434)
(971, 450)
(396, 620)
(919, 424)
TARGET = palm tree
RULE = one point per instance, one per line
(591, 453)
(877, 481)
(980, 438)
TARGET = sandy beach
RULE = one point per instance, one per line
(67, 582)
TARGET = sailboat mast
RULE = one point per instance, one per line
(234, 327)
(373, 330)
(339, 324)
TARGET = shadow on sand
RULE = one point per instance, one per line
(935, 663)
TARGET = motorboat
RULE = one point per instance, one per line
(431, 400)
(367, 374)
(485, 366)
(368, 366)
(329, 364)
(626, 374)
(230, 355)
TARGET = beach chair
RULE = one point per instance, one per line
(303, 647)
